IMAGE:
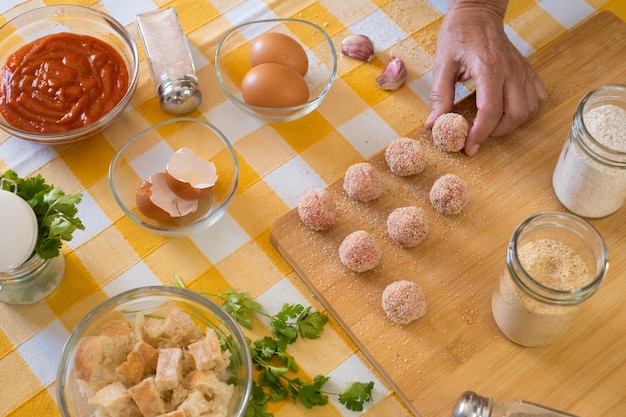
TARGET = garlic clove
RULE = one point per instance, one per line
(358, 46)
(393, 76)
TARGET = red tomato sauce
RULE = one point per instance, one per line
(61, 82)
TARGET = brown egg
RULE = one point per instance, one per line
(280, 49)
(155, 200)
(274, 85)
(189, 176)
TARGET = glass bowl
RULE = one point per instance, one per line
(149, 152)
(49, 20)
(232, 62)
(153, 303)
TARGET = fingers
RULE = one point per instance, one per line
(490, 108)
(502, 110)
(442, 91)
(540, 88)
(516, 101)
(521, 101)
(508, 91)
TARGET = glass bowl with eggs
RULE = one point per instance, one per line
(277, 70)
(175, 178)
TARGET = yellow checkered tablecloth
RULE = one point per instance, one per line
(279, 162)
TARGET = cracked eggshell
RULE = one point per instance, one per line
(189, 176)
(155, 200)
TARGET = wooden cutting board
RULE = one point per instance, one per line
(456, 346)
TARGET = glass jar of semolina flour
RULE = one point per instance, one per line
(590, 176)
(555, 261)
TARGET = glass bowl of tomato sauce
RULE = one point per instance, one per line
(67, 72)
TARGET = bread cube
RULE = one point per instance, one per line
(180, 328)
(115, 400)
(141, 361)
(218, 392)
(169, 371)
(195, 405)
(207, 353)
(175, 413)
(146, 396)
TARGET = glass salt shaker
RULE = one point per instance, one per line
(471, 404)
(555, 261)
(170, 60)
(590, 176)
(25, 278)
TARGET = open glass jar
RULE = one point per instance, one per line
(555, 261)
(590, 176)
(32, 281)
(25, 277)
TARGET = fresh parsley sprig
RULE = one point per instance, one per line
(56, 212)
(238, 304)
(356, 395)
(295, 318)
(277, 370)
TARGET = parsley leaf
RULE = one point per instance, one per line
(56, 212)
(356, 395)
(294, 318)
(311, 325)
(257, 406)
(238, 304)
(311, 395)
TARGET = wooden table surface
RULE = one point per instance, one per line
(456, 346)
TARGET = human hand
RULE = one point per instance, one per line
(472, 44)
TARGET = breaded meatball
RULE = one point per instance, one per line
(408, 226)
(405, 157)
(317, 210)
(449, 194)
(450, 132)
(403, 302)
(359, 251)
(362, 182)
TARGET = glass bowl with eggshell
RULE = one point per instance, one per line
(276, 70)
(96, 357)
(81, 96)
(175, 178)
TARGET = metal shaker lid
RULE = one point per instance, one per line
(471, 404)
(18, 231)
(179, 96)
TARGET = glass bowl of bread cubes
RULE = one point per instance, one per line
(155, 351)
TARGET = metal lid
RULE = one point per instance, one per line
(471, 404)
(180, 96)
(18, 224)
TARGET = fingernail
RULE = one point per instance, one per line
(429, 119)
(473, 150)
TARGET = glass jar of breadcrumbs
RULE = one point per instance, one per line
(554, 262)
(590, 176)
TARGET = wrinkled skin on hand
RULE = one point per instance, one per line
(472, 44)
